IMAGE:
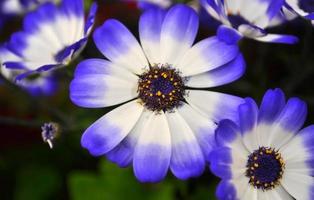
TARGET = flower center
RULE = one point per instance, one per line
(161, 88)
(265, 168)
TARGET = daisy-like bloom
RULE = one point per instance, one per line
(45, 84)
(250, 18)
(162, 123)
(265, 156)
(52, 36)
(146, 4)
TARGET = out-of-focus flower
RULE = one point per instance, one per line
(52, 37)
(49, 132)
(162, 124)
(266, 156)
(146, 4)
(250, 18)
(12, 8)
(43, 84)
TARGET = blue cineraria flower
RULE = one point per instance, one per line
(45, 84)
(51, 38)
(266, 156)
(11, 8)
(250, 18)
(161, 124)
(147, 4)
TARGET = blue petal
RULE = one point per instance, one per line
(228, 35)
(187, 159)
(108, 131)
(226, 191)
(91, 18)
(248, 113)
(45, 13)
(220, 160)
(293, 115)
(153, 151)
(226, 132)
(116, 42)
(219, 76)
(272, 104)
(73, 7)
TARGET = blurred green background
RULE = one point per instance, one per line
(29, 170)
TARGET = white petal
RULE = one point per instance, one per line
(153, 151)
(187, 159)
(215, 106)
(298, 185)
(203, 128)
(111, 129)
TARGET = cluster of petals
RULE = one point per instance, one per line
(52, 36)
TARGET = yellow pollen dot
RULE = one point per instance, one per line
(255, 165)
(155, 76)
(163, 96)
(170, 94)
(151, 94)
(171, 98)
(164, 75)
(255, 158)
(148, 82)
(175, 83)
(171, 79)
(156, 72)
(150, 76)
(158, 93)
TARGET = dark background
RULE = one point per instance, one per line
(30, 170)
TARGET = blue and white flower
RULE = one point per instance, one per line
(11, 8)
(161, 123)
(265, 156)
(146, 4)
(52, 36)
(45, 84)
(250, 18)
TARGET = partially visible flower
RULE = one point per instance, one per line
(52, 37)
(250, 18)
(265, 156)
(163, 123)
(12, 8)
(49, 132)
(146, 4)
(43, 84)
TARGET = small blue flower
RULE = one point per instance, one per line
(162, 124)
(147, 4)
(250, 18)
(52, 36)
(49, 132)
(265, 156)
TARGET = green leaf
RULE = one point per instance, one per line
(37, 183)
(115, 183)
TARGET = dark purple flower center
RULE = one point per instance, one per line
(161, 88)
(265, 168)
